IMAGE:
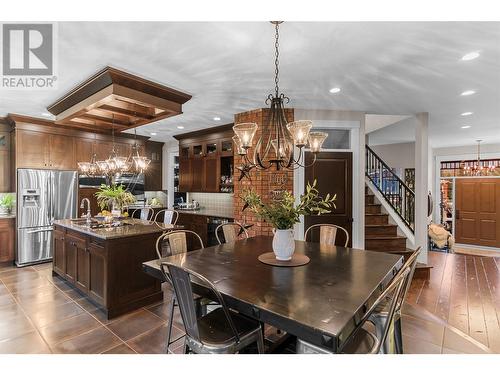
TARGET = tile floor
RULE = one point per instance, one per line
(40, 313)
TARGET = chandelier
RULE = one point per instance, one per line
(478, 167)
(114, 164)
(277, 142)
(89, 168)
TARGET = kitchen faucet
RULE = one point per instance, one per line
(88, 215)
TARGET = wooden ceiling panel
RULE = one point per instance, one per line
(113, 98)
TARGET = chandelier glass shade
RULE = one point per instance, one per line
(478, 167)
(280, 143)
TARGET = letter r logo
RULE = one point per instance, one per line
(27, 49)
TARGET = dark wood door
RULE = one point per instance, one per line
(82, 277)
(333, 172)
(211, 174)
(197, 175)
(70, 249)
(477, 212)
(61, 152)
(97, 273)
(59, 258)
(184, 174)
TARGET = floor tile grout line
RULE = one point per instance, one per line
(491, 293)
(29, 319)
(145, 332)
(98, 321)
(166, 321)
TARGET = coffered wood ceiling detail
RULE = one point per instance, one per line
(113, 98)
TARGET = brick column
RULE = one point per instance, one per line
(261, 181)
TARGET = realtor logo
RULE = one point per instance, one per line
(28, 55)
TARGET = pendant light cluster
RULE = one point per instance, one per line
(282, 137)
(115, 164)
(478, 167)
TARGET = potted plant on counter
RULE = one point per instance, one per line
(114, 197)
(6, 204)
(284, 213)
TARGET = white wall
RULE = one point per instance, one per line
(397, 155)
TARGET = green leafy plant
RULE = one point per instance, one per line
(107, 196)
(7, 200)
(284, 213)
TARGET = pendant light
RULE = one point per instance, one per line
(139, 163)
(282, 137)
(91, 168)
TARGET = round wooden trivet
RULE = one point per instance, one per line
(297, 260)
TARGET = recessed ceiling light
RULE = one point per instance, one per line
(216, 118)
(465, 127)
(153, 133)
(470, 56)
(466, 113)
(335, 90)
(468, 92)
(180, 127)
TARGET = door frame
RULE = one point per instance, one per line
(357, 184)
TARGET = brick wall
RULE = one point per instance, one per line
(263, 182)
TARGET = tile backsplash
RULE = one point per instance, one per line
(213, 200)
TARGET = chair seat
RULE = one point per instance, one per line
(363, 342)
(215, 330)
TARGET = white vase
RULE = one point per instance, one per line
(283, 244)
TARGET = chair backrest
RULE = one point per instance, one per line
(328, 233)
(169, 216)
(181, 281)
(176, 241)
(146, 213)
(231, 232)
(393, 291)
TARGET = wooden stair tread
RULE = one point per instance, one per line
(380, 225)
(383, 237)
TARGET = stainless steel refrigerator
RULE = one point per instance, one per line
(42, 197)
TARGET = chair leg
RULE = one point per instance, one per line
(398, 336)
(170, 321)
(260, 343)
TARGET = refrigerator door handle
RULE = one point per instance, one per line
(51, 229)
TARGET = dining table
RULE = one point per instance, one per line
(321, 302)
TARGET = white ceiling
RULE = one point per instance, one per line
(382, 68)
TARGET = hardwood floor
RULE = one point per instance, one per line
(464, 291)
(40, 313)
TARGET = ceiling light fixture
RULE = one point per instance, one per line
(468, 92)
(465, 127)
(466, 113)
(180, 127)
(470, 56)
(335, 90)
(479, 167)
(282, 136)
(216, 118)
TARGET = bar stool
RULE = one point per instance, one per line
(169, 216)
(146, 213)
(328, 233)
(231, 232)
(221, 331)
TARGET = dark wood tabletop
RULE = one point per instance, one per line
(320, 302)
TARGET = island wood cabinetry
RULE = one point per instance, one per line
(204, 156)
(7, 239)
(108, 271)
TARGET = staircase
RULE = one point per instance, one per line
(380, 235)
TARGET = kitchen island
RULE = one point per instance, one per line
(105, 263)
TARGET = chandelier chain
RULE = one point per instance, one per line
(276, 60)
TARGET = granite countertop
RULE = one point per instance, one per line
(137, 228)
(209, 211)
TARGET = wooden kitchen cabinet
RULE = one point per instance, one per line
(61, 152)
(153, 180)
(200, 158)
(32, 150)
(84, 148)
(7, 239)
(59, 255)
(97, 273)
(71, 246)
(5, 159)
(82, 277)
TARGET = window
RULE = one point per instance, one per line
(338, 139)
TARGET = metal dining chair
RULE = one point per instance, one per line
(221, 331)
(177, 244)
(231, 232)
(146, 213)
(362, 341)
(169, 216)
(328, 233)
(380, 316)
